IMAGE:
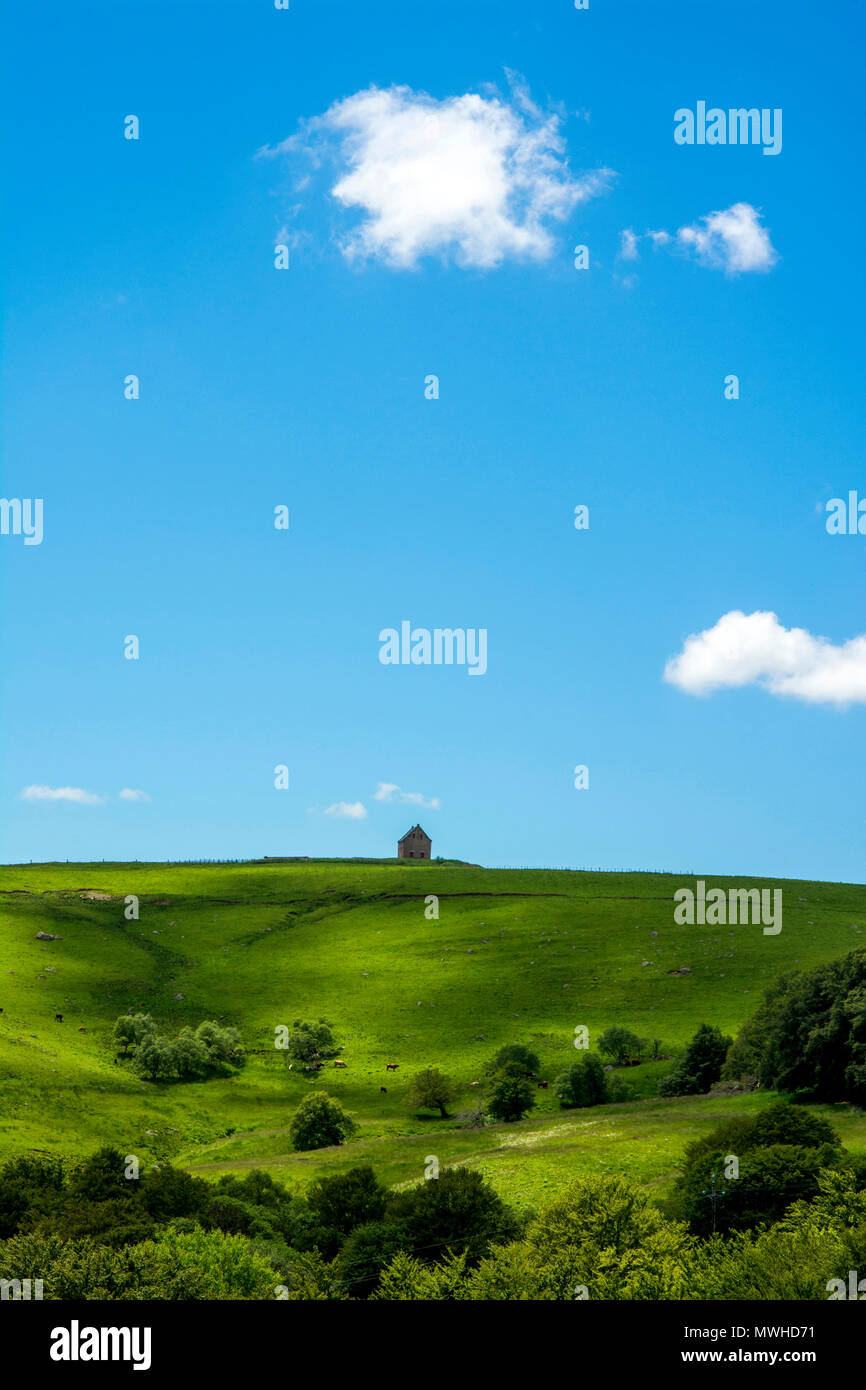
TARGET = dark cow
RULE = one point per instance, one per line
(542, 1085)
(384, 1090)
(58, 1018)
(391, 1066)
(82, 1030)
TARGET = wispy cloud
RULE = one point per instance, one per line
(479, 179)
(41, 792)
(628, 245)
(755, 649)
(389, 791)
(76, 794)
(346, 810)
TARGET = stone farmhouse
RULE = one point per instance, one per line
(415, 844)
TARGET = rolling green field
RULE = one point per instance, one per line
(515, 956)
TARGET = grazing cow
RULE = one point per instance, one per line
(319, 1065)
(82, 1030)
(542, 1085)
(391, 1066)
(384, 1090)
(338, 1063)
(58, 1018)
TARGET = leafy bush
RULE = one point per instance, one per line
(131, 1029)
(619, 1044)
(602, 1235)
(514, 1055)
(311, 1042)
(198, 1264)
(407, 1279)
(210, 1050)
(318, 1122)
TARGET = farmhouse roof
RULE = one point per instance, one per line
(409, 832)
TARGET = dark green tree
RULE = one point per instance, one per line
(456, 1213)
(171, 1192)
(318, 1122)
(30, 1188)
(103, 1175)
(809, 1034)
(584, 1083)
(365, 1254)
(700, 1066)
(770, 1179)
(348, 1200)
(509, 1097)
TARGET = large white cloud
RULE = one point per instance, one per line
(733, 240)
(755, 649)
(476, 178)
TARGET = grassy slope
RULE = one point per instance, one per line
(516, 955)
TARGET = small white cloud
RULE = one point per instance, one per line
(346, 810)
(733, 240)
(132, 794)
(76, 794)
(628, 245)
(386, 791)
(479, 178)
(659, 238)
(755, 649)
(389, 791)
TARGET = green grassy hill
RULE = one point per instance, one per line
(516, 955)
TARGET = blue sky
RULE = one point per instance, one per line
(557, 387)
